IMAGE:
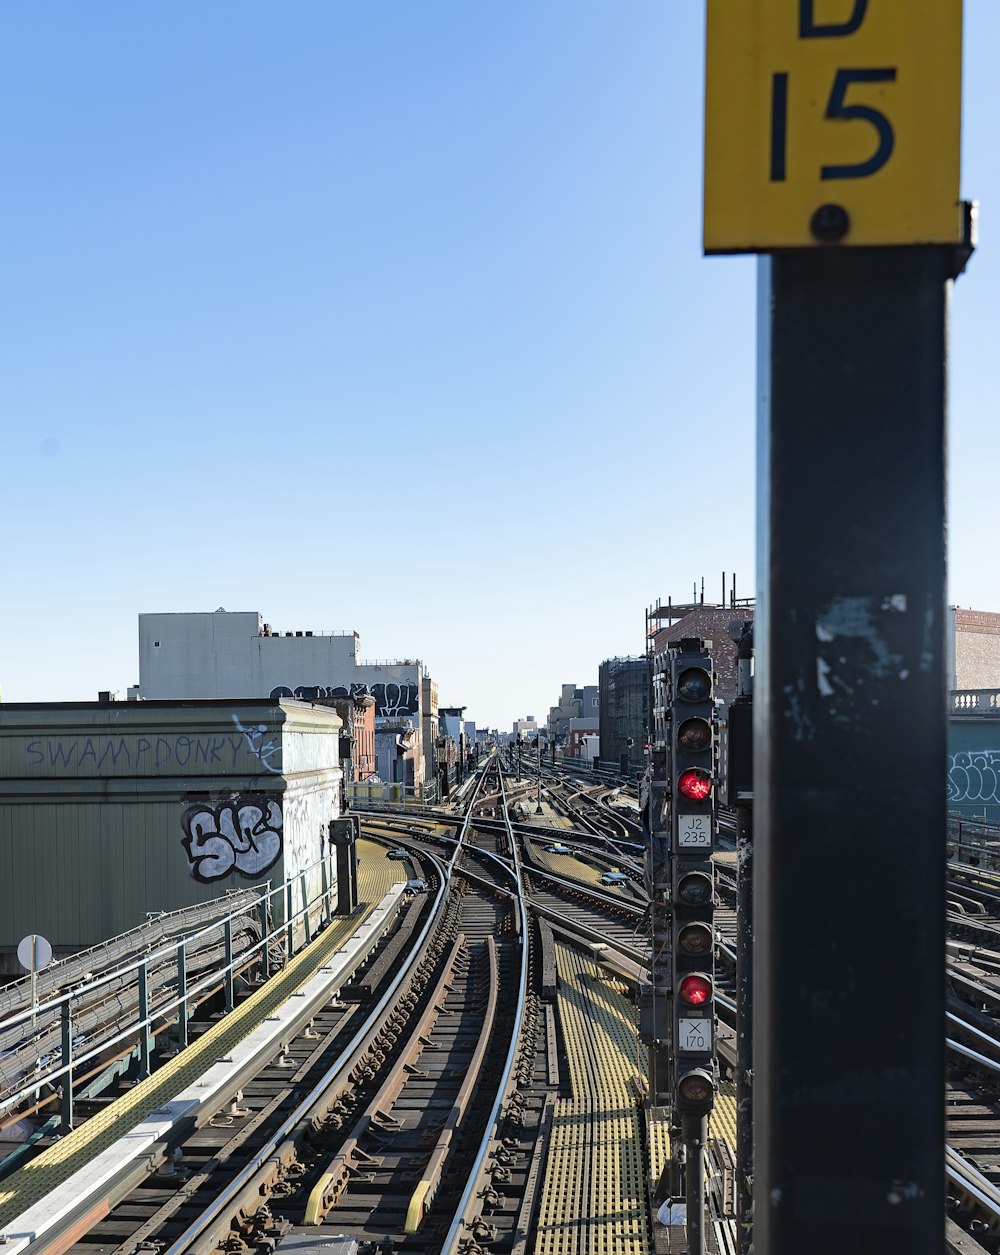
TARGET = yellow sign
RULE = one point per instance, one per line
(832, 122)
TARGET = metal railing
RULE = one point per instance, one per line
(360, 795)
(156, 1003)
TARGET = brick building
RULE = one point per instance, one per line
(973, 649)
(668, 624)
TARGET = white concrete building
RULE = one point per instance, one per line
(224, 654)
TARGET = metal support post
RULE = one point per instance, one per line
(66, 1118)
(265, 950)
(744, 1026)
(182, 1006)
(849, 752)
(694, 1133)
(304, 890)
(229, 987)
(344, 834)
(327, 906)
(289, 923)
(143, 1020)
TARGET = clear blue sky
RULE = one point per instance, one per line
(383, 316)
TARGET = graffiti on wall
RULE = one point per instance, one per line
(241, 834)
(390, 698)
(261, 750)
(974, 776)
(136, 754)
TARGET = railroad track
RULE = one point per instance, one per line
(366, 1126)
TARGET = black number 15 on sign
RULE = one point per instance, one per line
(843, 104)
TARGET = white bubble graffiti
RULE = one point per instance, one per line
(243, 835)
(974, 776)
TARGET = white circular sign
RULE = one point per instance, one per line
(34, 953)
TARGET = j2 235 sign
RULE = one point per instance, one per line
(832, 121)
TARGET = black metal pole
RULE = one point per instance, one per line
(849, 747)
(744, 1028)
(694, 1130)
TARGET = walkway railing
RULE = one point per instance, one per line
(360, 795)
(118, 1015)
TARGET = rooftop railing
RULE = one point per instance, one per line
(974, 702)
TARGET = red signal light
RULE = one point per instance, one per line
(694, 784)
(695, 989)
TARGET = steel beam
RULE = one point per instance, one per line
(849, 749)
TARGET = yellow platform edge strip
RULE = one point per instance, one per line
(55, 1165)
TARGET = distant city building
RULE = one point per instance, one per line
(113, 811)
(398, 752)
(357, 736)
(429, 729)
(225, 654)
(625, 695)
(526, 728)
(579, 732)
(574, 703)
(451, 723)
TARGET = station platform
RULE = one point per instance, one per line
(69, 1182)
(596, 1190)
(594, 1197)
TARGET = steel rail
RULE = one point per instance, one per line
(967, 1176)
(203, 1233)
(477, 1170)
(334, 1178)
(973, 1030)
(344, 1062)
(579, 886)
(426, 1190)
(981, 1061)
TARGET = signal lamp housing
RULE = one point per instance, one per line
(696, 889)
(695, 989)
(696, 940)
(694, 684)
(696, 1091)
(695, 735)
(695, 784)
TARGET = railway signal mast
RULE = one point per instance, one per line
(693, 783)
(678, 1010)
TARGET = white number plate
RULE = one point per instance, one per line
(694, 831)
(694, 1036)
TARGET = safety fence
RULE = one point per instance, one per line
(67, 1045)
